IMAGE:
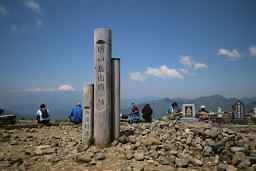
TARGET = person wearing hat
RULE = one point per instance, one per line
(76, 114)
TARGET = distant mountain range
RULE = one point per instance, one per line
(211, 102)
(60, 105)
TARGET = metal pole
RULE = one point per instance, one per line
(115, 98)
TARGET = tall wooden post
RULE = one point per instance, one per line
(102, 86)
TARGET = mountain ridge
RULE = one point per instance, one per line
(211, 102)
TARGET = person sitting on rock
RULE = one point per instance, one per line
(202, 109)
(147, 112)
(134, 115)
(76, 114)
(172, 110)
(134, 110)
(202, 114)
(1, 111)
(43, 115)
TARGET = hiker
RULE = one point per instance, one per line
(147, 112)
(76, 114)
(202, 109)
(134, 110)
(219, 115)
(1, 111)
(172, 108)
(202, 114)
(134, 115)
(171, 111)
(43, 115)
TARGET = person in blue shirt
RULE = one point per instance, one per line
(76, 114)
(172, 108)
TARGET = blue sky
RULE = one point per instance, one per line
(176, 48)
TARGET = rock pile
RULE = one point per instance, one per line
(168, 143)
(160, 145)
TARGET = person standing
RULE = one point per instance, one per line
(147, 112)
(43, 115)
(76, 114)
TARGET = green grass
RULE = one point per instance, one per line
(91, 141)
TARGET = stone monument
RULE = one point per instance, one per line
(102, 86)
(238, 111)
(188, 112)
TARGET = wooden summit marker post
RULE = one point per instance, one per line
(87, 124)
(102, 86)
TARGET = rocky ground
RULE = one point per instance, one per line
(161, 145)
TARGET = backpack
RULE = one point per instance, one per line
(44, 113)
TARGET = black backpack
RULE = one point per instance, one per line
(44, 113)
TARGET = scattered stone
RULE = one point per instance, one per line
(14, 142)
(239, 158)
(151, 141)
(237, 149)
(139, 156)
(49, 151)
(82, 147)
(181, 162)
(39, 152)
(122, 139)
(54, 159)
(83, 159)
(99, 156)
(16, 159)
(128, 155)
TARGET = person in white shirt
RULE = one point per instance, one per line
(43, 115)
(219, 115)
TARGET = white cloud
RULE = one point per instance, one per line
(39, 23)
(38, 90)
(3, 10)
(200, 65)
(33, 5)
(164, 72)
(15, 28)
(186, 61)
(35, 90)
(65, 88)
(186, 72)
(137, 76)
(232, 55)
(252, 50)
